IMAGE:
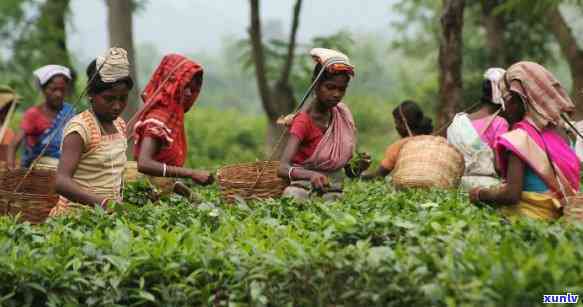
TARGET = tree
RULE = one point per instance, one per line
(495, 27)
(557, 25)
(34, 33)
(120, 29)
(277, 99)
(514, 30)
(572, 53)
(450, 60)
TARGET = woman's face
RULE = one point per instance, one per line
(515, 109)
(191, 92)
(55, 91)
(330, 92)
(109, 104)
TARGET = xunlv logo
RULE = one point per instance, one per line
(561, 299)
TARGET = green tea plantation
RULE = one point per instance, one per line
(377, 247)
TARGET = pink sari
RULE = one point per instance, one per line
(336, 147)
(531, 145)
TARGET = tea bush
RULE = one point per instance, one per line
(377, 247)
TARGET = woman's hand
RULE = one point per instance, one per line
(475, 195)
(364, 162)
(202, 177)
(319, 181)
(107, 204)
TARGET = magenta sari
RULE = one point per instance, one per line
(531, 145)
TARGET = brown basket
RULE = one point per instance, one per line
(35, 197)
(428, 162)
(3, 156)
(3, 152)
(573, 209)
(257, 180)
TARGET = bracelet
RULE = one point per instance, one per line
(164, 170)
(289, 173)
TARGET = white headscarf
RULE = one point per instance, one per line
(332, 60)
(113, 65)
(495, 76)
(45, 73)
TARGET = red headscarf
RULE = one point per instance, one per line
(162, 116)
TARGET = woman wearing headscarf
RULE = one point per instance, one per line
(42, 125)
(323, 135)
(160, 144)
(475, 134)
(409, 121)
(539, 166)
(94, 146)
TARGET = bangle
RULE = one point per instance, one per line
(164, 170)
(289, 173)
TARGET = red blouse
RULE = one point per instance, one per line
(309, 134)
(34, 123)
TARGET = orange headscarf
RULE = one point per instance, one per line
(162, 116)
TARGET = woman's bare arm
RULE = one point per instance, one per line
(147, 165)
(381, 172)
(510, 193)
(291, 148)
(70, 157)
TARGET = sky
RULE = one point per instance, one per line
(191, 26)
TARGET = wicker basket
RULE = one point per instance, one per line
(573, 209)
(35, 197)
(248, 181)
(428, 162)
(3, 156)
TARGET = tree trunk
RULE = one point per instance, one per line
(450, 60)
(120, 28)
(259, 61)
(52, 26)
(572, 53)
(277, 100)
(495, 28)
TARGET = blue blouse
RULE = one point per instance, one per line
(532, 182)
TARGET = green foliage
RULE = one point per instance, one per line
(218, 137)
(375, 248)
(418, 37)
(275, 51)
(33, 33)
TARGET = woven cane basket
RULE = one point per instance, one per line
(428, 162)
(35, 197)
(3, 156)
(248, 181)
(573, 210)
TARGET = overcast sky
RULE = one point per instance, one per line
(188, 26)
